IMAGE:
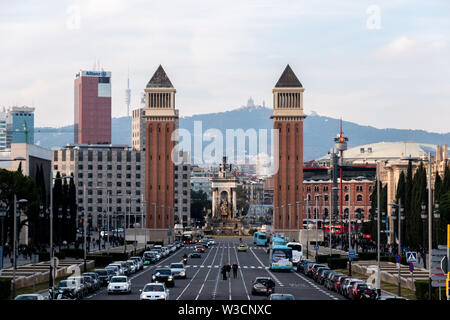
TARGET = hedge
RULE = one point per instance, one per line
(324, 258)
(337, 263)
(119, 256)
(44, 256)
(367, 255)
(100, 260)
(5, 289)
(73, 253)
(422, 290)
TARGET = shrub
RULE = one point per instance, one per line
(422, 290)
(100, 260)
(324, 258)
(119, 256)
(44, 256)
(367, 256)
(5, 289)
(73, 253)
(337, 263)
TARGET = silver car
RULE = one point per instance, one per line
(154, 291)
(178, 270)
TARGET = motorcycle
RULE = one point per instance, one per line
(185, 260)
(269, 291)
(368, 295)
(65, 295)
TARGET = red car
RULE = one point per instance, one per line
(338, 283)
(362, 291)
(199, 249)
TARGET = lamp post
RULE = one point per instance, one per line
(398, 207)
(307, 228)
(437, 216)
(16, 204)
(423, 215)
(378, 231)
(2, 239)
(315, 217)
(60, 216)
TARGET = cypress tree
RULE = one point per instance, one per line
(400, 195)
(72, 210)
(446, 182)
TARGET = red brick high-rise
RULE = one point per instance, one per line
(92, 112)
(161, 121)
(288, 118)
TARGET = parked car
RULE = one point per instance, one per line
(163, 275)
(94, 276)
(139, 262)
(90, 283)
(318, 272)
(119, 284)
(103, 276)
(31, 296)
(339, 282)
(348, 287)
(72, 286)
(154, 291)
(362, 291)
(314, 268)
(322, 275)
(302, 264)
(308, 268)
(263, 285)
(115, 268)
(82, 284)
(332, 279)
(178, 270)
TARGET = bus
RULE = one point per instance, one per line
(281, 258)
(278, 241)
(297, 251)
(187, 237)
(260, 238)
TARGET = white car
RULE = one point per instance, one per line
(119, 284)
(154, 291)
(178, 270)
(31, 296)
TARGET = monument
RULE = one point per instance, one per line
(224, 219)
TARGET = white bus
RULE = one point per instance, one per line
(297, 251)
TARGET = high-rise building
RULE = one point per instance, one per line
(3, 131)
(288, 119)
(161, 121)
(92, 118)
(138, 129)
(16, 126)
(183, 189)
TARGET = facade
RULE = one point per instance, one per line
(16, 126)
(161, 121)
(92, 111)
(254, 191)
(224, 203)
(138, 129)
(268, 190)
(200, 180)
(110, 181)
(182, 190)
(4, 120)
(288, 119)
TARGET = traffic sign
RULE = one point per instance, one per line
(351, 254)
(411, 257)
(411, 267)
(398, 258)
(316, 247)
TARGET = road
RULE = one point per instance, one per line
(204, 280)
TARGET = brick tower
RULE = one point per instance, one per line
(288, 118)
(161, 121)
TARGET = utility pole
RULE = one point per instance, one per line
(378, 231)
(430, 217)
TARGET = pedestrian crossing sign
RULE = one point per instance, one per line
(411, 257)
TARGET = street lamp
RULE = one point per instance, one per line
(424, 216)
(437, 216)
(60, 216)
(398, 207)
(16, 204)
(2, 217)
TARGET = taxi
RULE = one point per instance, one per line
(242, 247)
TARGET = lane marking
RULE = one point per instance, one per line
(242, 275)
(267, 269)
(204, 281)
(217, 279)
(193, 276)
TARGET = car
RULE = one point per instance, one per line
(163, 275)
(362, 291)
(332, 278)
(199, 248)
(103, 276)
(302, 264)
(314, 268)
(125, 267)
(96, 279)
(307, 268)
(131, 266)
(119, 284)
(158, 251)
(281, 296)
(210, 241)
(263, 285)
(83, 284)
(72, 285)
(30, 296)
(322, 275)
(178, 270)
(139, 262)
(242, 248)
(339, 282)
(196, 254)
(149, 257)
(318, 272)
(113, 268)
(154, 291)
(122, 271)
(349, 285)
(90, 283)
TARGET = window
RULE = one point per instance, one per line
(89, 166)
(119, 167)
(80, 167)
(138, 175)
(359, 197)
(99, 167)
(128, 176)
(119, 176)
(119, 184)
(90, 154)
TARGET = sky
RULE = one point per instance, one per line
(379, 63)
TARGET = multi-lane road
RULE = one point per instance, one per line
(204, 279)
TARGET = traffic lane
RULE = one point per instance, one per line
(302, 287)
(139, 280)
(198, 270)
(207, 287)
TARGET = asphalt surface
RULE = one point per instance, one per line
(204, 279)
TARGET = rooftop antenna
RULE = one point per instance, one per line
(128, 94)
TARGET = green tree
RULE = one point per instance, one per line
(414, 225)
(446, 181)
(400, 195)
(199, 205)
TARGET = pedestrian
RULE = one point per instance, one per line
(224, 272)
(228, 269)
(235, 269)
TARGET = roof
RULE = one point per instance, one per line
(159, 79)
(288, 79)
